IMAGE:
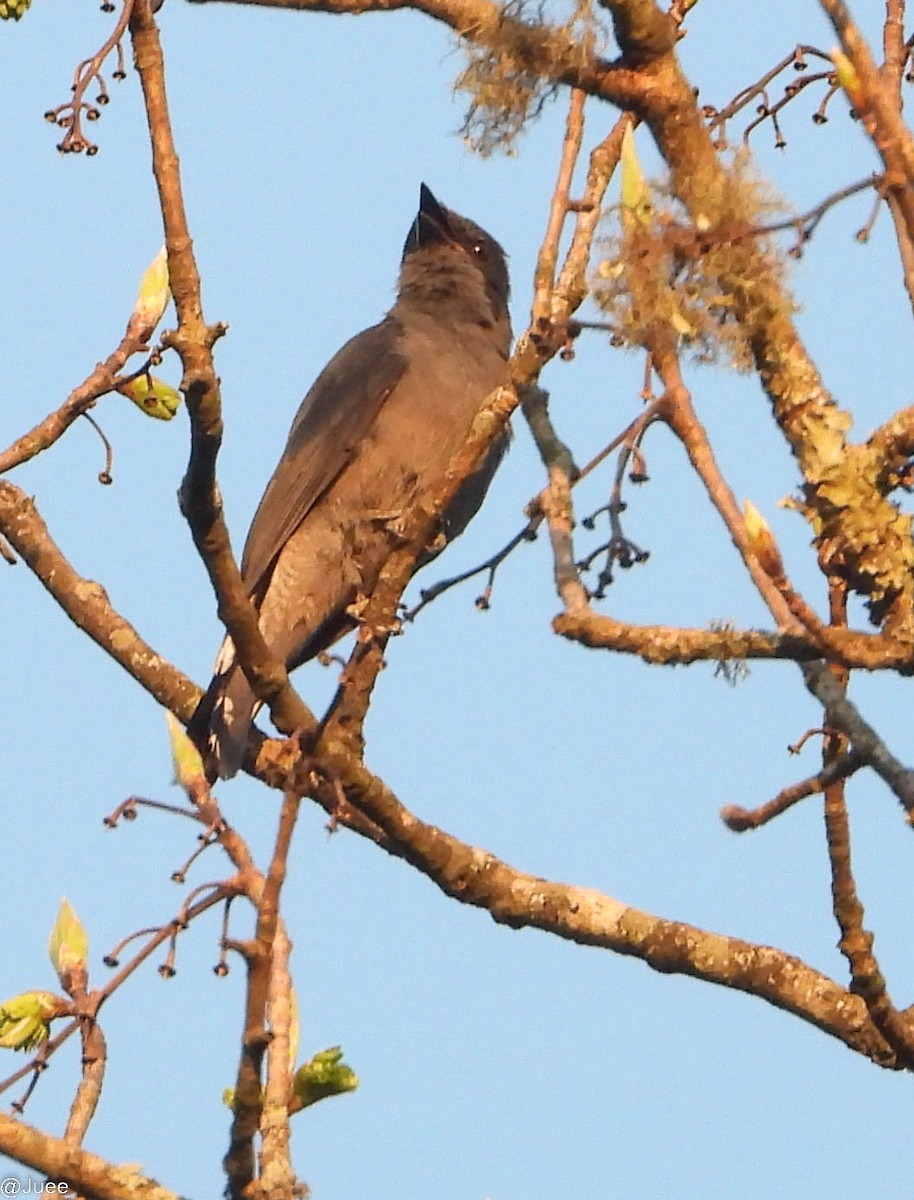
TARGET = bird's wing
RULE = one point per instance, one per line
(333, 418)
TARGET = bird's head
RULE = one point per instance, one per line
(442, 244)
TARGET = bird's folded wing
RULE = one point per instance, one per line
(333, 418)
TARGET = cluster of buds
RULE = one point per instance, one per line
(25, 1020)
(12, 10)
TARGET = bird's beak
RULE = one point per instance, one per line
(431, 225)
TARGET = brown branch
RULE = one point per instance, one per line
(75, 980)
(670, 645)
(674, 645)
(758, 89)
(804, 223)
(842, 715)
(101, 381)
(556, 506)
(489, 566)
(92, 1077)
(346, 715)
(894, 50)
(905, 245)
(740, 819)
(39, 1061)
(548, 333)
(893, 445)
(877, 104)
(87, 605)
(69, 114)
(877, 101)
(571, 287)
(553, 306)
(549, 51)
(267, 1004)
(856, 942)
(559, 208)
(682, 419)
(589, 917)
(87, 1174)
(276, 1173)
(194, 341)
(157, 937)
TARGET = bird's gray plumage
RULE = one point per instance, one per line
(376, 430)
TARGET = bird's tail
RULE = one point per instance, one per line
(223, 718)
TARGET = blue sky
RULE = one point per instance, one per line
(494, 1064)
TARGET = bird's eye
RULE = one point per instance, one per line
(479, 248)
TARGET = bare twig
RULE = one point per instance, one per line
(758, 91)
(101, 381)
(489, 566)
(544, 275)
(70, 114)
(740, 819)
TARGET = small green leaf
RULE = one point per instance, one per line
(324, 1075)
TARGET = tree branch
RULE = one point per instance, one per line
(194, 341)
(87, 605)
(89, 1175)
(589, 917)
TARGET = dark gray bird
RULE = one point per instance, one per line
(374, 433)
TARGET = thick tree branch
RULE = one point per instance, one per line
(87, 605)
(672, 645)
(87, 1174)
(589, 917)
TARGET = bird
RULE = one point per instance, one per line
(372, 436)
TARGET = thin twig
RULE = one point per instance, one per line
(740, 819)
(104, 476)
(69, 115)
(559, 207)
